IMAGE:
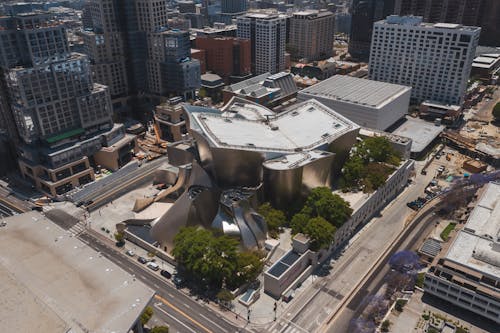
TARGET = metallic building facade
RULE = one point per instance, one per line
(246, 151)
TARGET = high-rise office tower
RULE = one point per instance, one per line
(434, 59)
(234, 6)
(124, 48)
(60, 114)
(105, 45)
(364, 14)
(483, 13)
(180, 74)
(312, 34)
(267, 33)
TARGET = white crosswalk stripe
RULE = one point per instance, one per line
(284, 327)
(77, 228)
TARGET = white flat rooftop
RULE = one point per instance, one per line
(476, 246)
(354, 90)
(421, 132)
(306, 126)
(293, 161)
(51, 282)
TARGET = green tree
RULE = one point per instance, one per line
(146, 315)
(208, 258)
(376, 174)
(298, 222)
(322, 202)
(375, 149)
(353, 171)
(321, 233)
(496, 111)
(275, 218)
(225, 298)
(214, 260)
(248, 267)
(400, 304)
(386, 324)
(119, 237)
(159, 329)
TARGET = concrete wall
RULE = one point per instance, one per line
(377, 200)
(462, 297)
(364, 115)
(275, 286)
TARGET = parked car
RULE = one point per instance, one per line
(178, 281)
(130, 253)
(165, 274)
(154, 266)
(142, 260)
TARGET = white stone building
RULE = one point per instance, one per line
(368, 103)
(267, 33)
(468, 275)
(435, 59)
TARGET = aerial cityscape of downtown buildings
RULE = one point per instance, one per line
(250, 166)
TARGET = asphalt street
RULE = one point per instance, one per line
(314, 305)
(411, 238)
(182, 312)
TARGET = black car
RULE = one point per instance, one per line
(142, 260)
(165, 274)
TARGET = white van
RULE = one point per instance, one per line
(154, 266)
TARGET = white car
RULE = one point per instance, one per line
(154, 266)
(130, 253)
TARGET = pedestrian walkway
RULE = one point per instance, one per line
(78, 228)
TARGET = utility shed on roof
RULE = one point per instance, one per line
(368, 103)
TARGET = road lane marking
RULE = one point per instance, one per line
(221, 328)
(177, 320)
(182, 313)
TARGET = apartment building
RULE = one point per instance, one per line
(228, 57)
(311, 35)
(434, 59)
(59, 113)
(266, 31)
(468, 275)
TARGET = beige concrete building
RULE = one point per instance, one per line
(57, 181)
(170, 120)
(311, 34)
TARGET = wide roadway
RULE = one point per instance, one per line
(183, 313)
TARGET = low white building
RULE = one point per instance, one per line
(368, 103)
(468, 275)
